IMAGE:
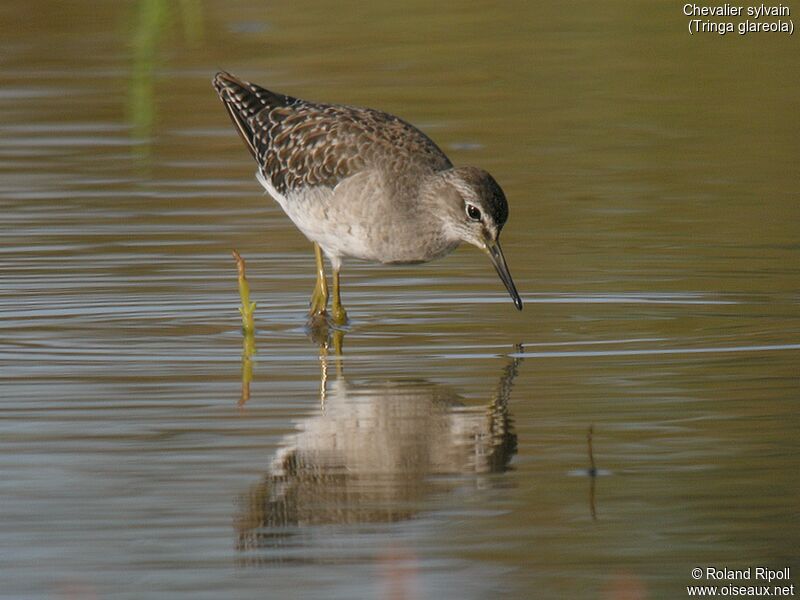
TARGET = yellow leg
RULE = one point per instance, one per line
(339, 313)
(319, 299)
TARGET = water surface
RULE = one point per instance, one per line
(636, 420)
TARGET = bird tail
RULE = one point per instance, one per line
(242, 104)
(244, 101)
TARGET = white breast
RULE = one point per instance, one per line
(358, 219)
(310, 211)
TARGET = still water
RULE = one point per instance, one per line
(639, 418)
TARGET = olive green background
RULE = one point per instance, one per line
(654, 236)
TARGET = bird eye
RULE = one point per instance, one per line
(473, 212)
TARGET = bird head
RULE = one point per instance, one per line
(476, 210)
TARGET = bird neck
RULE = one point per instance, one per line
(444, 205)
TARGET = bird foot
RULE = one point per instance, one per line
(318, 305)
(318, 327)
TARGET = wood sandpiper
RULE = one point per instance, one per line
(364, 184)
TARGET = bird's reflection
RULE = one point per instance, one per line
(374, 452)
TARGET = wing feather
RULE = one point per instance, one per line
(298, 143)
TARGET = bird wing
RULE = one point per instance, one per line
(298, 143)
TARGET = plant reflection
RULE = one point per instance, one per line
(374, 452)
(246, 311)
(151, 26)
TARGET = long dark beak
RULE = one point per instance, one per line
(498, 260)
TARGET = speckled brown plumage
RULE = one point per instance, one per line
(298, 143)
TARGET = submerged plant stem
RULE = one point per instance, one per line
(247, 309)
(248, 329)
